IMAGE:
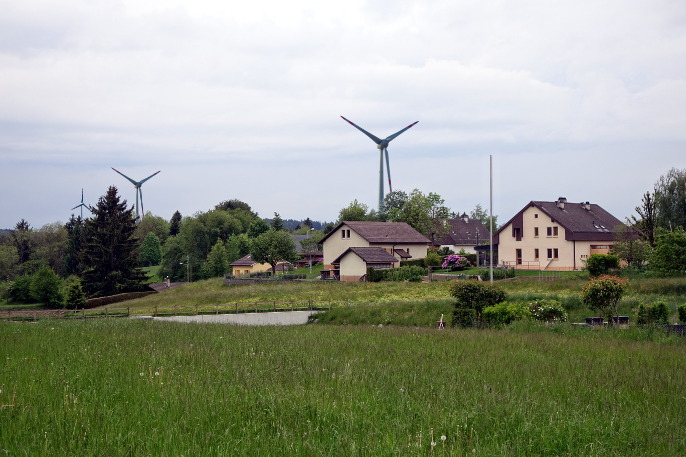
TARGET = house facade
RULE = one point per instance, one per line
(246, 265)
(555, 235)
(390, 240)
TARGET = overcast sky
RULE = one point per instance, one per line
(581, 99)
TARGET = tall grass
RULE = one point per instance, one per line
(123, 387)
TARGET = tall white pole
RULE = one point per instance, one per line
(490, 214)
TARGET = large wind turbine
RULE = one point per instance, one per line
(382, 145)
(82, 205)
(139, 191)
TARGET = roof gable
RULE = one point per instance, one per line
(383, 232)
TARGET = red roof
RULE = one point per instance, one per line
(383, 232)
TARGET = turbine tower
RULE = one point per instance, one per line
(382, 145)
(82, 205)
(139, 191)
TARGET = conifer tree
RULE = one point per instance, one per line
(111, 253)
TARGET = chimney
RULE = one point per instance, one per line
(465, 217)
(561, 202)
(586, 206)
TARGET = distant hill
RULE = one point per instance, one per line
(293, 224)
(5, 232)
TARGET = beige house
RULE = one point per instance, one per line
(246, 265)
(555, 235)
(390, 242)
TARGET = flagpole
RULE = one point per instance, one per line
(490, 211)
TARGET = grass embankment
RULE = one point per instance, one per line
(120, 387)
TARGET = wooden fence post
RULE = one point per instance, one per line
(128, 311)
(196, 310)
(155, 313)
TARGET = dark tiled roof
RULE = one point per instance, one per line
(245, 261)
(459, 231)
(581, 221)
(383, 232)
(369, 255)
(403, 253)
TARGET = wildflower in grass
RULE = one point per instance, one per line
(141, 374)
(157, 373)
(443, 437)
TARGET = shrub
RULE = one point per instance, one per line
(657, 313)
(413, 262)
(504, 313)
(475, 296)
(406, 273)
(601, 264)
(75, 298)
(20, 290)
(547, 310)
(455, 262)
(498, 274)
(46, 287)
(464, 317)
(603, 294)
(682, 313)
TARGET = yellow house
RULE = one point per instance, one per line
(385, 243)
(246, 265)
(555, 235)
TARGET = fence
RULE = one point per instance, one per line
(176, 310)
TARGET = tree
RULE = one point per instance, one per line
(174, 260)
(273, 247)
(152, 224)
(355, 211)
(50, 245)
(277, 222)
(21, 238)
(481, 214)
(670, 200)
(308, 222)
(216, 264)
(424, 213)
(175, 224)
(76, 240)
(669, 255)
(75, 297)
(601, 264)
(237, 246)
(471, 299)
(602, 294)
(648, 218)
(46, 287)
(629, 246)
(229, 205)
(111, 251)
(150, 252)
(257, 228)
(9, 260)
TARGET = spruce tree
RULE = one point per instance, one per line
(175, 224)
(111, 253)
(76, 232)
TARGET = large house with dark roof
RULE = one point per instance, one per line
(555, 235)
(461, 234)
(352, 246)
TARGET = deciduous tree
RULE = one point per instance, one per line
(273, 247)
(603, 294)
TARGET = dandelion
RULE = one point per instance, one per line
(443, 438)
(157, 373)
(141, 373)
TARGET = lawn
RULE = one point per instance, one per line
(131, 387)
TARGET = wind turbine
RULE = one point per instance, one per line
(82, 205)
(139, 191)
(382, 145)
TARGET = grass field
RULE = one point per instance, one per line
(123, 387)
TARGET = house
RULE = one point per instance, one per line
(461, 234)
(555, 235)
(385, 245)
(246, 265)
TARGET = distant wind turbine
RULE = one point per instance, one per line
(82, 205)
(382, 145)
(139, 191)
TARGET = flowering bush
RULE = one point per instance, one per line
(547, 310)
(455, 262)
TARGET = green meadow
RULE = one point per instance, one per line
(134, 387)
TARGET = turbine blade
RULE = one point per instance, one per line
(375, 139)
(130, 180)
(82, 195)
(388, 168)
(140, 192)
(148, 178)
(400, 131)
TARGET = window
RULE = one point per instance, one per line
(345, 234)
(519, 256)
(551, 232)
(550, 253)
(555, 253)
(554, 232)
(536, 253)
(536, 232)
(535, 216)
